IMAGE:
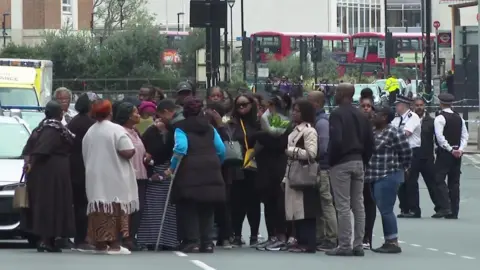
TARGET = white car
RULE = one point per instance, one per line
(14, 133)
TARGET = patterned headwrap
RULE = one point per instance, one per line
(192, 106)
(147, 107)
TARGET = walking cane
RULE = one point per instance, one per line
(172, 178)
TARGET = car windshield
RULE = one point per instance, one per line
(18, 96)
(32, 118)
(381, 83)
(360, 87)
(13, 137)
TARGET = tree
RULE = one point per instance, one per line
(188, 51)
(109, 15)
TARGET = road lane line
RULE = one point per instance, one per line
(415, 245)
(432, 249)
(468, 257)
(180, 254)
(451, 253)
(202, 265)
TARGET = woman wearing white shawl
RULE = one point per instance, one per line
(110, 181)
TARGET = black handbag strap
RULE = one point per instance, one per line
(22, 178)
(229, 132)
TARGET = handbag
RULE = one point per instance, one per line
(301, 175)
(233, 149)
(249, 162)
(20, 196)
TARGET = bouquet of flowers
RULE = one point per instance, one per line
(274, 123)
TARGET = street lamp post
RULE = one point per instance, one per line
(121, 3)
(4, 28)
(178, 20)
(231, 3)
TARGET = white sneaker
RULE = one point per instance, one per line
(366, 246)
(121, 251)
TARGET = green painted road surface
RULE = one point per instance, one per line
(427, 244)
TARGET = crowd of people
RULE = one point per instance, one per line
(107, 177)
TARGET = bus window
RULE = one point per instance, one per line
(294, 45)
(409, 44)
(372, 43)
(346, 45)
(327, 45)
(338, 46)
(269, 44)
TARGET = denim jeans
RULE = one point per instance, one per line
(385, 194)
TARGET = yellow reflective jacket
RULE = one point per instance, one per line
(392, 84)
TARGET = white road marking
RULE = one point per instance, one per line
(202, 265)
(415, 245)
(180, 254)
(451, 253)
(468, 257)
(432, 249)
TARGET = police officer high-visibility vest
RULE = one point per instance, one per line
(392, 84)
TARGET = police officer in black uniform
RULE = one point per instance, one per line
(451, 137)
(422, 163)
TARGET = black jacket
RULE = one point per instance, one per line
(351, 136)
(199, 177)
(79, 125)
(428, 137)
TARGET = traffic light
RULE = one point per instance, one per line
(392, 46)
(247, 49)
(316, 52)
(303, 50)
(257, 57)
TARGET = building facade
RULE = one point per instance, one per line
(26, 20)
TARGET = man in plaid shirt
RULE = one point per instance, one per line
(391, 157)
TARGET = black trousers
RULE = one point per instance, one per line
(392, 97)
(274, 207)
(306, 230)
(370, 212)
(223, 217)
(136, 217)
(448, 197)
(245, 202)
(424, 166)
(80, 203)
(196, 221)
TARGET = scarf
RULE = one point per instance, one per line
(53, 123)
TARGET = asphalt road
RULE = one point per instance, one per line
(426, 243)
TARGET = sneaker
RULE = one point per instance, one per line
(291, 243)
(276, 245)
(326, 245)
(389, 248)
(121, 251)
(358, 251)
(237, 242)
(85, 248)
(225, 244)
(366, 246)
(207, 248)
(339, 252)
(264, 244)
(253, 241)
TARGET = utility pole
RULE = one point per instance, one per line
(428, 42)
(244, 35)
(387, 57)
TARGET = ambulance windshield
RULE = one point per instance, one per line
(11, 96)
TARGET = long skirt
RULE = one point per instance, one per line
(106, 227)
(155, 202)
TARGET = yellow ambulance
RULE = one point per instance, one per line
(25, 82)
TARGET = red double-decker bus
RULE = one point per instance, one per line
(409, 47)
(283, 44)
(170, 54)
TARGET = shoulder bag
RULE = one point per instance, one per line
(300, 175)
(233, 149)
(249, 162)
(20, 197)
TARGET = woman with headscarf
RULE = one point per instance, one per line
(79, 126)
(198, 185)
(147, 110)
(127, 116)
(110, 180)
(159, 144)
(367, 106)
(49, 185)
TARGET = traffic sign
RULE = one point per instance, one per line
(444, 39)
(436, 24)
(381, 49)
